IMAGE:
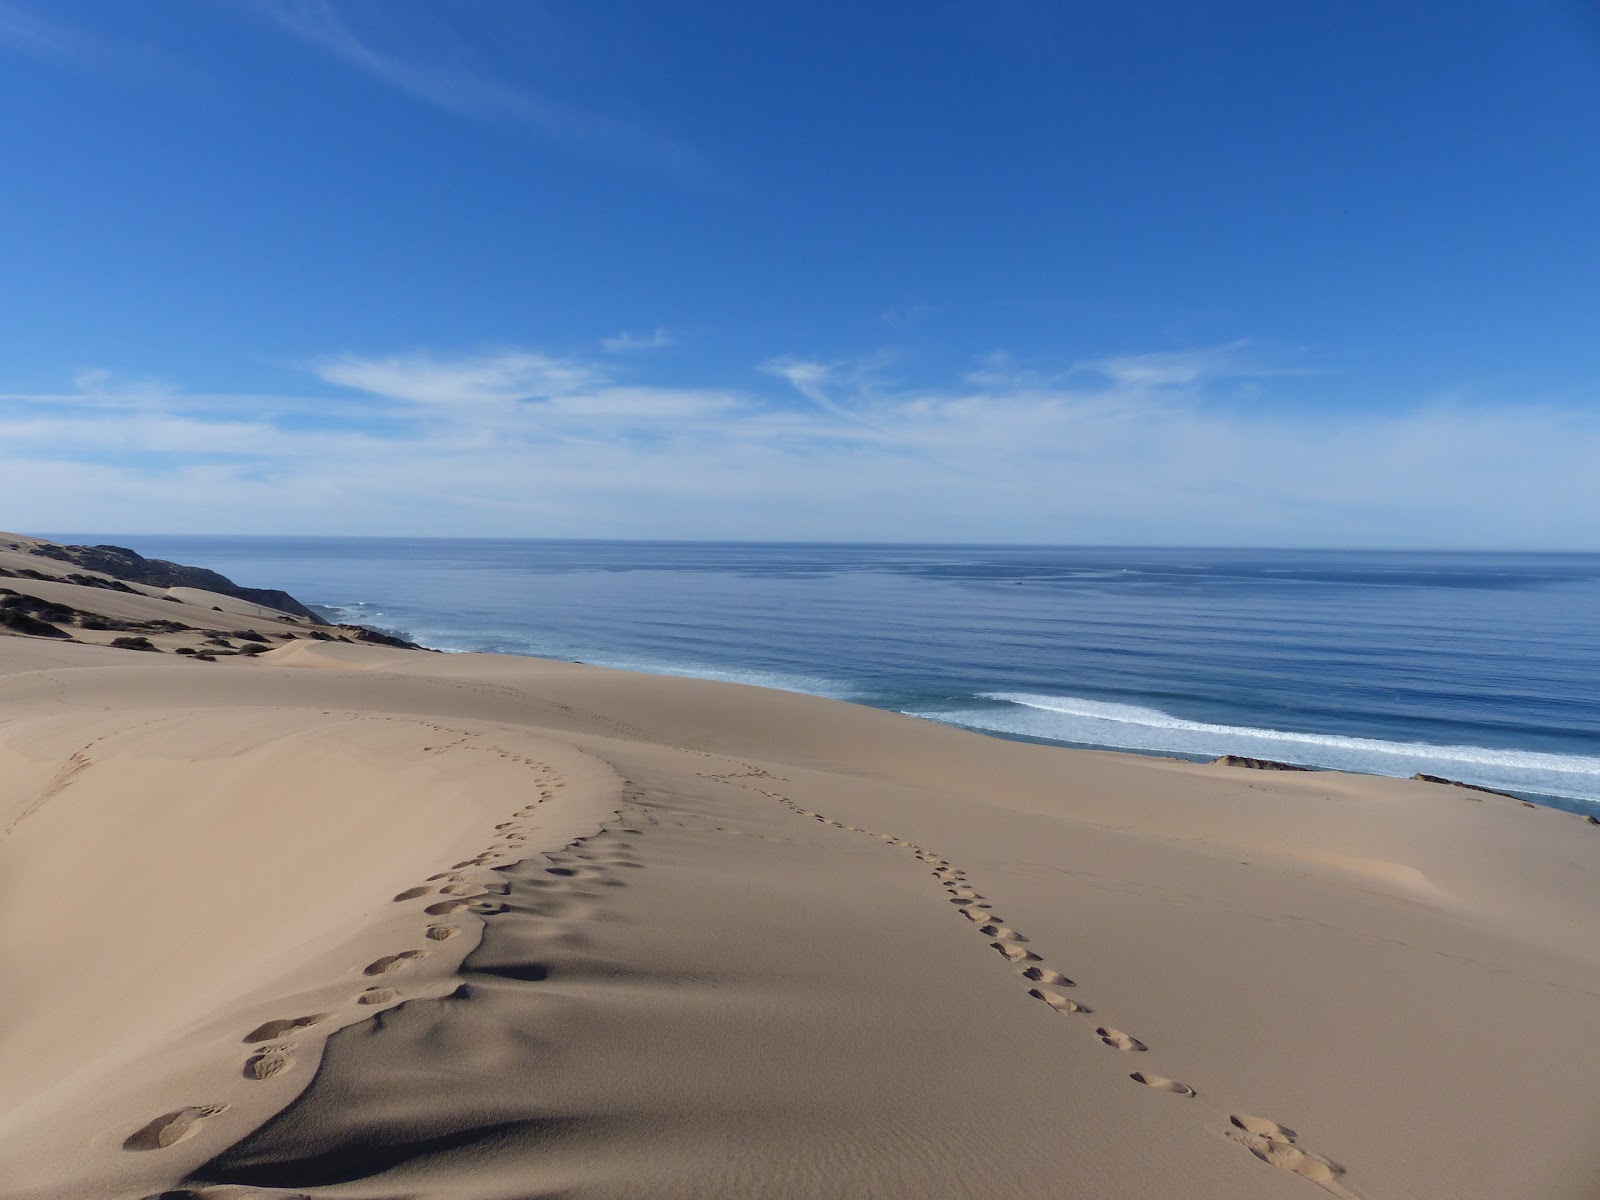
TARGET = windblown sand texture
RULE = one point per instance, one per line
(350, 921)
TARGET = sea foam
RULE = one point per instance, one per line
(1090, 722)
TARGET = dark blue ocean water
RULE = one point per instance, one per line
(1480, 667)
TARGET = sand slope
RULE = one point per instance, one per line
(737, 942)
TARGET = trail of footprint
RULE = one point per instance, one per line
(171, 1128)
(1267, 1140)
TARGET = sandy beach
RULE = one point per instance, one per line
(327, 918)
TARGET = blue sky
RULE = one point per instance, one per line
(991, 270)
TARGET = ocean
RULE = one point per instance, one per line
(1482, 667)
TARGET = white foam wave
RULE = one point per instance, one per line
(1130, 726)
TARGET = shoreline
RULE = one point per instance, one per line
(1576, 805)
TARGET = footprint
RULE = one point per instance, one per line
(1046, 975)
(273, 1030)
(1162, 1084)
(264, 1064)
(463, 889)
(1264, 1127)
(392, 962)
(442, 932)
(973, 913)
(488, 908)
(1014, 953)
(377, 995)
(171, 1128)
(1003, 933)
(413, 893)
(1059, 1003)
(1289, 1157)
(445, 907)
(1118, 1040)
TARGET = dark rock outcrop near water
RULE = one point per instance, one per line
(361, 633)
(1255, 764)
(122, 563)
(1471, 787)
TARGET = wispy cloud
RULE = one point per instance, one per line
(356, 35)
(632, 343)
(476, 382)
(905, 316)
(31, 34)
(1170, 368)
(528, 442)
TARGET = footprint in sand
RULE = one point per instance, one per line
(377, 995)
(1003, 933)
(273, 1030)
(1162, 1084)
(445, 907)
(463, 889)
(1059, 1003)
(487, 908)
(1014, 953)
(171, 1128)
(392, 962)
(1272, 1143)
(442, 932)
(1046, 975)
(413, 893)
(1118, 1040)
(266, 1063)
(974, 913)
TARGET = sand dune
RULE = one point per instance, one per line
(360, 922)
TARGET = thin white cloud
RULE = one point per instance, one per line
(483, 380)
(905, 316)
(468, 89)
(524, 442)
(31, 34)
(820, 382)
(632, 343)
(1177, 368)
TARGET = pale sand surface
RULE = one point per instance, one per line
(735, 958)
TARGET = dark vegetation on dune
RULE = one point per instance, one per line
(114, 566)
(121, 563)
